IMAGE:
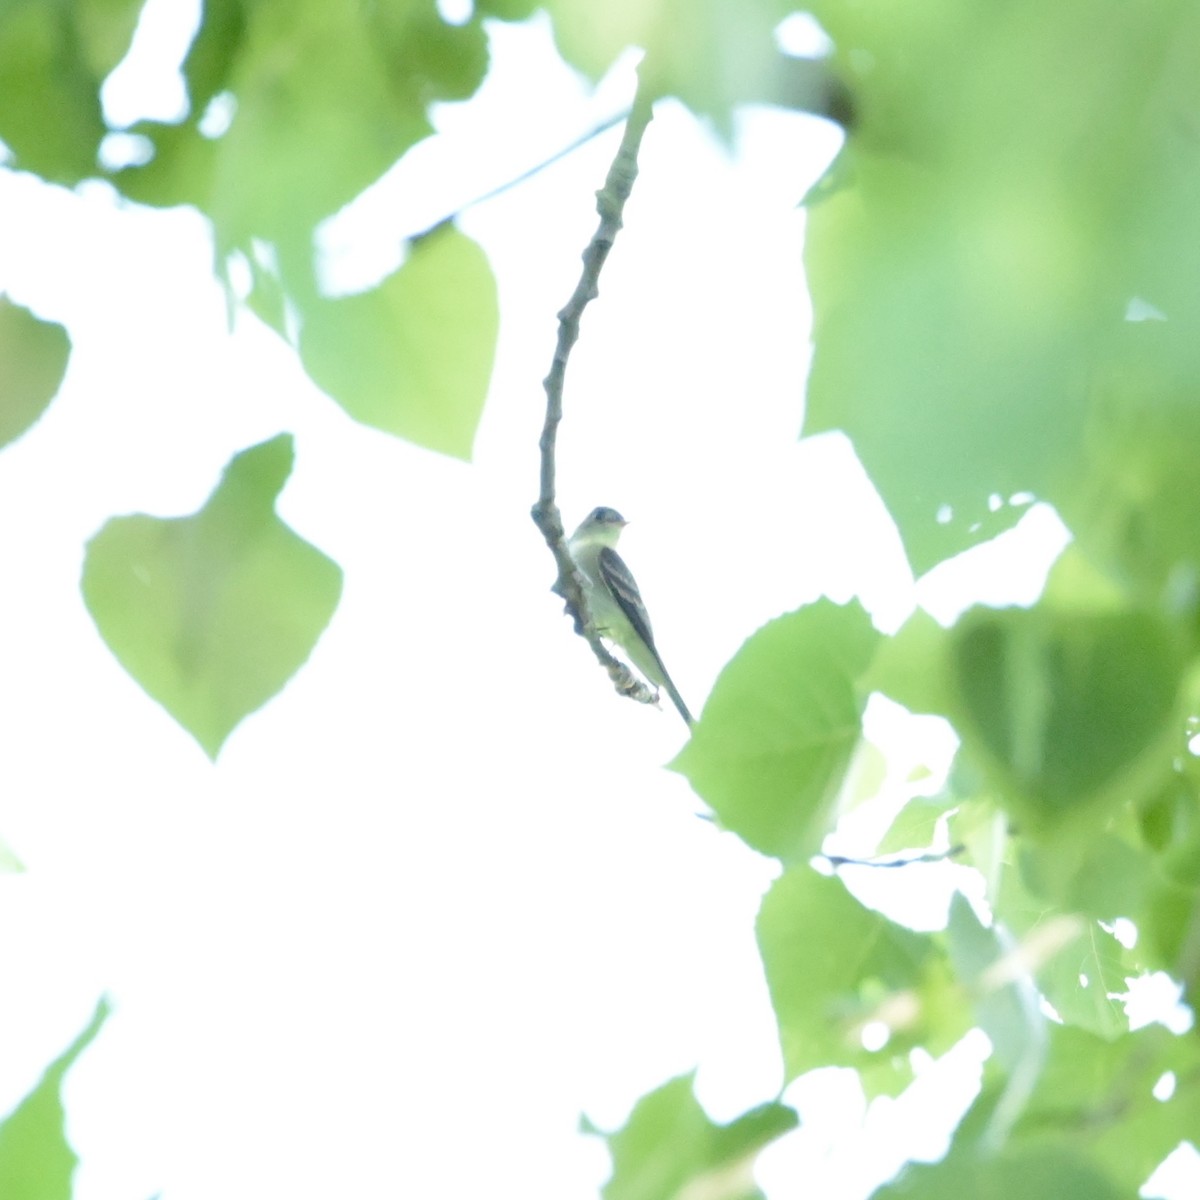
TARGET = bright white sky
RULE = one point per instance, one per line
(439, 896)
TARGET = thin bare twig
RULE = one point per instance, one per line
(907, 860)
(499, 190)
(610, 204)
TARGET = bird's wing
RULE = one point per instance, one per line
(616, 576)
(620, 582)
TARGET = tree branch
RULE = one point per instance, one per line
(610, 204)
(905, 860)
(499, 190)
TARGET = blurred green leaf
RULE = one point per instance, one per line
(105, 31)
(1083, 968)
(316, 103)
(36, 1162)
(180, 171)
(977, 825)
(912, 666)
(1018, 175)
(507, 10)
(1134, 506)
(267, 299)
(865, 776)
(832, 966)
(1168, 926)
(1031, 1173)
(902, 307)
(211, 59)
(33, 361)
(325, 98)
(780, 727)
(414, 355)
(213, 613)
(1066, 710)
(711, 55)
(914, 826)
(669, 1146)
(1104, 877)
(1169, 824)
(428, 59)
(1096, 1096)
(1001, 988)
(49, 89)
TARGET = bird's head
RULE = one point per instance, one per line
(601, 526)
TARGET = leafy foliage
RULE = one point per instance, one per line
(36, 1163)
(324, 98)
(833, 966)
(414, 355)
(1004, 266)
(53, 59)
(1003, 271)
(993, 157)
(669, 1147)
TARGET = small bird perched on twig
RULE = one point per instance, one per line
(613, 599)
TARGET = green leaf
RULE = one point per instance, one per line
(105, 31)
(326, 97)
(1005, 1001)
(212, 57)
(33, 361)
(1003, 212)
(832, 966)
(1096, 1097)
(1169, 824)
(213, 613)
(905, 327)
(977, 825)
(507, 10)
(414, 355)
(914, 826)
(1167, 927)
(49, 94)
(314, 85)
(1086, 967)
(1066, 710)
(36, 1162)
(711, 55)
(864, 777)
(428, 58)
(1105, 877)
(912, 666)
(780, 727)
(1031, 1173)
(669, 1145)
(1135, 508)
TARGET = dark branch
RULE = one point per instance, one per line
(610, 204)
(906, 860)
(583, 139)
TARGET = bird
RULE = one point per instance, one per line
(614, 602)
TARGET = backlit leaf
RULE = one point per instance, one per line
(213, 613)
(780, 727)
(33, 360)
